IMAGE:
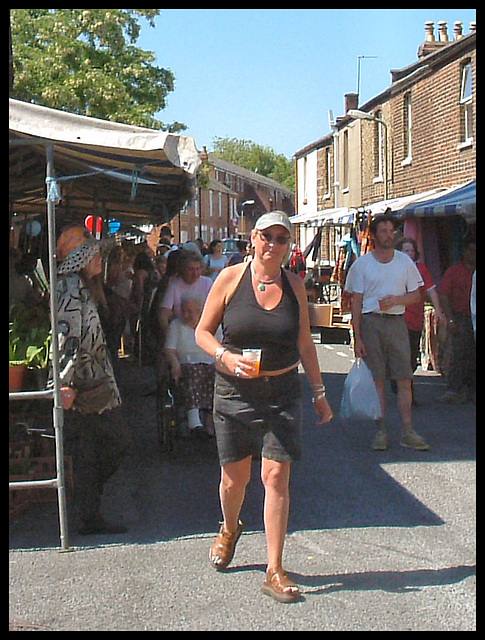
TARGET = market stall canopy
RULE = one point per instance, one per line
(114, 170)
(397, 204)
(340, 215)
(458, 200)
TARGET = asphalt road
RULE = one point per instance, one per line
(378, 541)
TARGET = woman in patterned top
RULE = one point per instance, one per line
(96, 435)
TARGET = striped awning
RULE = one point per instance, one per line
(458, 200)
(340, 215)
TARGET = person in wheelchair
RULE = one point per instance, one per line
(193, 370)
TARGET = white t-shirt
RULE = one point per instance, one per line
(181, 338)
(376, 280)
(177, 288)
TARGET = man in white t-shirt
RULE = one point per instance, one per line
(382, 283)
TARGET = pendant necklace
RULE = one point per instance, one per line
(262, 283)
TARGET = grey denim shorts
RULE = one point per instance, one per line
(258, 417)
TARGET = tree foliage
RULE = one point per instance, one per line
(258, 158)
(86, 61)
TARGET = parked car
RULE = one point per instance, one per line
(230, 246)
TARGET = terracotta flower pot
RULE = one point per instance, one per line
(16, 375)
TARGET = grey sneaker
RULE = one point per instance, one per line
(412, 440)
(380, 442)
(451, 397)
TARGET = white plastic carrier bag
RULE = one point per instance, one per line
(360, 399)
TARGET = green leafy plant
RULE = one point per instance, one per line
(29, 335)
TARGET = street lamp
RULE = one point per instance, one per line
(363, 115)
(243, 222)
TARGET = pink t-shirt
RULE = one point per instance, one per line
(177, 288)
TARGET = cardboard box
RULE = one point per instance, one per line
(320, 315)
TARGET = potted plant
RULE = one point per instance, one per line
(29, 333)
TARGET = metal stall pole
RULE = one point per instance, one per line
(57, 411)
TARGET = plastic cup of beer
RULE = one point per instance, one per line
(255, 356)
(383, 306)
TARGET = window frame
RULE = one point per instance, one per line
(466, 102)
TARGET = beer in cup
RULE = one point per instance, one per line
(255, 356)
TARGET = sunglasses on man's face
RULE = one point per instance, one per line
(270, 239)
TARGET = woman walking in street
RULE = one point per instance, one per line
(262, 306)
(414, 313)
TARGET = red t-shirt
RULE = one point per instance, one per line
(457, 285)
(414, 313)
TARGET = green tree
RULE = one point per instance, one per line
(258, 158)
(86, 61)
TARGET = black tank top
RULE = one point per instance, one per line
(246, 324)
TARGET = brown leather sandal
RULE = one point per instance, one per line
(222, 551)
(280, 587)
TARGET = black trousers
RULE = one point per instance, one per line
(463, 372)
(97, 444)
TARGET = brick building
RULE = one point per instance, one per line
(229, 206)
(430, 109)
(414, 140)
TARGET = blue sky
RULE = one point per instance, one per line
(271, 75)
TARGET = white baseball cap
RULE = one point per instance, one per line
(272, 218)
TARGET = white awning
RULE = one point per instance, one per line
(130, 172)
(396, 204)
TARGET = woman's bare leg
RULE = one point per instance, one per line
(232, 490)
(276, 480)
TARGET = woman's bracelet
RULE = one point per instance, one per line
(317, 388)
(318, 391)
(219, 352)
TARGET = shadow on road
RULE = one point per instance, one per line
(390, 581)
(339, 483)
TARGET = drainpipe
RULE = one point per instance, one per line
(336, 172)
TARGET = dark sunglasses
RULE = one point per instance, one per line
(272, 239)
